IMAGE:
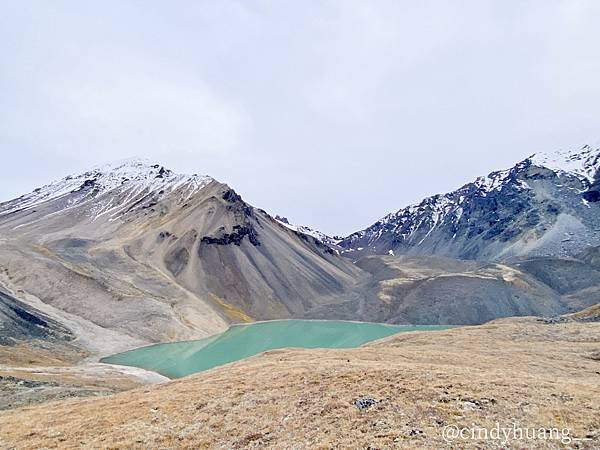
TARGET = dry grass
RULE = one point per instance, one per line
(236, 314)
(25, 355)
(509, 371)
(41, 371)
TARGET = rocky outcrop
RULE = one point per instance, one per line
(21, 322)
(235, 237)
(231, 196)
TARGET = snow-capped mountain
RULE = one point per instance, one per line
(136, 180)
(583, 163)
(325, 239)
(544, 205)
(148, 254)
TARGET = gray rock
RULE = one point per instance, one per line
(364, 403)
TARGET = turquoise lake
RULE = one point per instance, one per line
(179, 359)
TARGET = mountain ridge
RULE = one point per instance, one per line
(496, 216)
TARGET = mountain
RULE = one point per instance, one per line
(546, 205)
(133, 253)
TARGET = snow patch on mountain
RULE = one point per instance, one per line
(331, 241)
(583, 163)
(134, 178)
(493, 181)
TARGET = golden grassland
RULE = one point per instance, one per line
(520, 371)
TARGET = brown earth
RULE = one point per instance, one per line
(521, 371)
(35, 372)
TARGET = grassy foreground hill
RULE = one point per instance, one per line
(532, 373)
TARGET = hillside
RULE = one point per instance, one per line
(440, 290)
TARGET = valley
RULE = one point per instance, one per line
(131, 254)
(462, 308)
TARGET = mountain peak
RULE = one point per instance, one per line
(138, 175)
(136, 169)
(583, 162)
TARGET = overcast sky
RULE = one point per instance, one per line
(331, 113)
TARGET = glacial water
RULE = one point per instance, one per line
(179, 359)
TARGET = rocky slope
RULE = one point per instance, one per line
(19, 321)
(546, 205)
(137, 254)
(441, 290)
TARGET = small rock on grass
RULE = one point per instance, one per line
(363, 403)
